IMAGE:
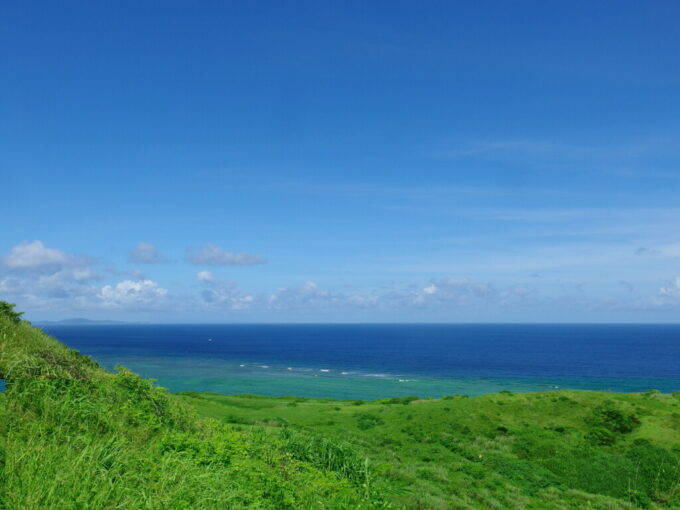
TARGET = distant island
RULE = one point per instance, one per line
(79, 321)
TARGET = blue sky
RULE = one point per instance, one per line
(341, 161)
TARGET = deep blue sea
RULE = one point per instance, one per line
(377, 361)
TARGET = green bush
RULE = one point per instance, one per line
(400, 400)
(7, 311)
(368, 421)
(601, 436)
(608, 423)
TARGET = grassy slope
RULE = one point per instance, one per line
(566, 449)
(75, 436)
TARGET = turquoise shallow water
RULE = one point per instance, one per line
(378, 361)
(228, 377)
(358, 388)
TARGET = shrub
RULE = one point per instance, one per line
(601, 436)
(368, 421)
(400, 400)
(7, 310)
(607, 423)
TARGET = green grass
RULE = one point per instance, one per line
(77, 437)
(73, 436)
(566, 449)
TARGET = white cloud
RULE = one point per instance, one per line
(307, 295)
(430, 289)
(146, 253)
(214, 255)
(34, 255)
(224, 294)
(131, 294)
(81, 274)
(43, 278)
(443, 292)
(672, 290)
(440, 292)
(10, 286)
(37, 273)
(666, 298)
(47, 278)
(206, 277)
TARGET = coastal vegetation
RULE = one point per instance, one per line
(73, 435)
(561, 449)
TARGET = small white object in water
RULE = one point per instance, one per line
(289, 368)
(241, 365)
(324, 370)
(264, 366)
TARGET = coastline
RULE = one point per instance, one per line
(381, 361)
(233, 378)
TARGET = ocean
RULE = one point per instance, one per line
(379, 360)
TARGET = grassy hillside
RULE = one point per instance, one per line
(75, 436)
(563, 449)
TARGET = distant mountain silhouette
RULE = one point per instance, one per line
(77, 321)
